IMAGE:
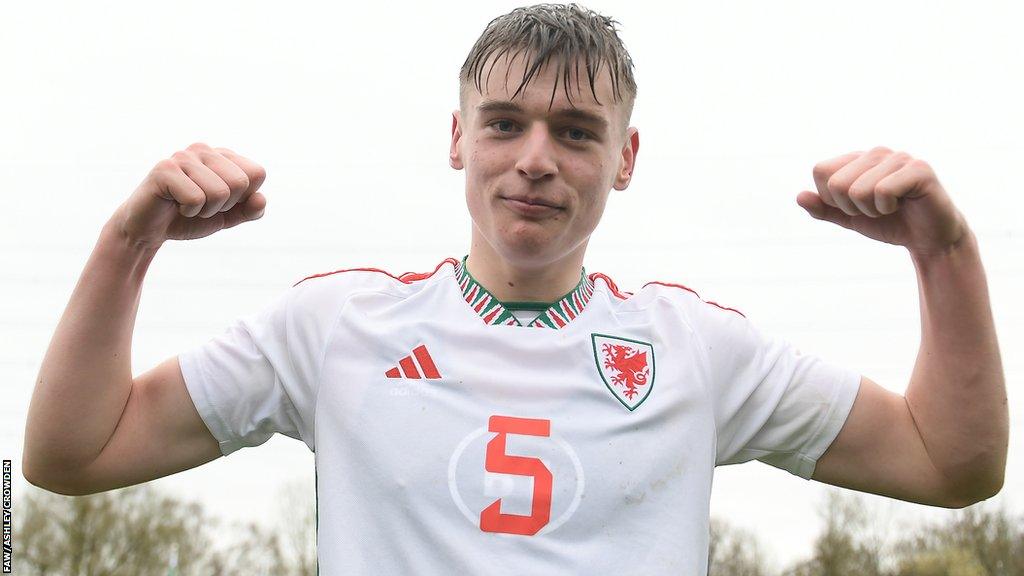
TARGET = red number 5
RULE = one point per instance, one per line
(491, 519)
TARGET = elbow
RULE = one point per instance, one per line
(978, 491)
(30, 473)
(57, 487)
(56, 482)
(979, 478)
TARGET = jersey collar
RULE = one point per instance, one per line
(555, 315)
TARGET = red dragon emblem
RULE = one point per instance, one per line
(626, 366)
(629, 364)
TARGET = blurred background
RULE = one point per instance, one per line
(348, 107)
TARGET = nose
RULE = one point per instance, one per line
(537, 154)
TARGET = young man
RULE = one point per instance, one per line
(509, 413)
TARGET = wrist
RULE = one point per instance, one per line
(121, 249)
(115, 233)
(964, 248)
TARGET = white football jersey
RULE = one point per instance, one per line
(451, 439)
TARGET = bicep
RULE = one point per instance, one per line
(159, 433)
(879, 450)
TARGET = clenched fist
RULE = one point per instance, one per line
(888, 196)
(192, 194)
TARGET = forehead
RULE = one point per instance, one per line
(552, 85)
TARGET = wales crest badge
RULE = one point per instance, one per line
(626, 366)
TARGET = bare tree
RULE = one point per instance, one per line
(254, 550)
(34, 535)
(298, 515)
(849, 543)
(979, 539)
(127, 532)
(946, 562)
(287, 547)
(733, 551)
(137, 532)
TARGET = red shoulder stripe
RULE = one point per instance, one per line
(404, 278)
(688, 289)
(611, 284)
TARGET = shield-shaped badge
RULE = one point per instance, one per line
(626, 366)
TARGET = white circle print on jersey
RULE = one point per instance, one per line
(515, 476)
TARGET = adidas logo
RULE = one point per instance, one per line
(409, 367)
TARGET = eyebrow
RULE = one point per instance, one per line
(573, 113)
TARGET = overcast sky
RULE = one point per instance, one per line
(348, 107)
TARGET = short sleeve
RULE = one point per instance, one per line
(771, 402)
(259, 376)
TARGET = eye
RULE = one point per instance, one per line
(504, 126)
(577, 135)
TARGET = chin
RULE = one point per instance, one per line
(526, 236)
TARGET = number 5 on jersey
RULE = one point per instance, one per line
(491, 519)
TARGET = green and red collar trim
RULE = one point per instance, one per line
(492, 311)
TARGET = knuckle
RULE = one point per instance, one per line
(198, 146)
(837, 185)
(820, 171)
(860, 193)
(881, 151)
(190, 198)
(238, 183)
(165, 165)
(218, 193)
(902, 157)
(919, 164)
(259, 174)
(885, 193)
(182, 156)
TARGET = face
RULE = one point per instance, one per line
(537, 179)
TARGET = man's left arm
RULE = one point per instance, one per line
(944, 442)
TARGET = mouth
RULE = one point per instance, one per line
(531, 208)
(532, 201)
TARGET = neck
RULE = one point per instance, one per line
(514, 282)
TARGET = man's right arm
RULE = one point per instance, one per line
(91, 427)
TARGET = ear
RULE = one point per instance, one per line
(454, 153)
(628, 162)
